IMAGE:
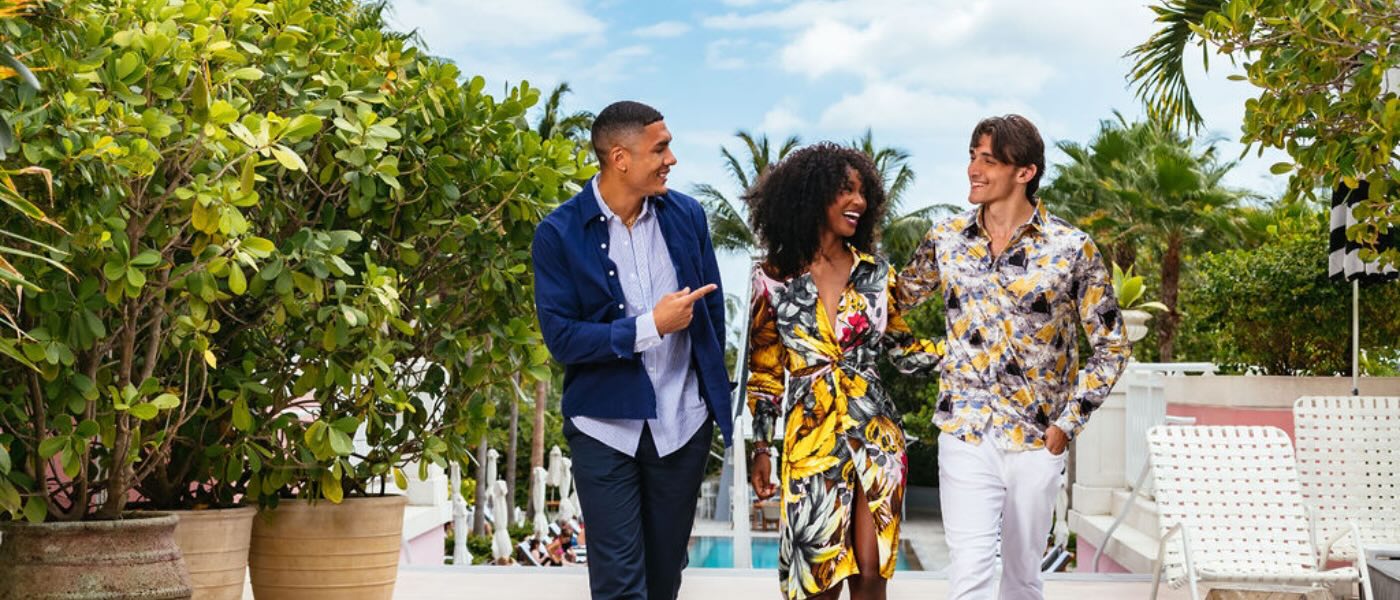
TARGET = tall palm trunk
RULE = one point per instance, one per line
(1171, 283)
(1124, 254)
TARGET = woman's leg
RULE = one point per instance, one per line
(868, 585)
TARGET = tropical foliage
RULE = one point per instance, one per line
(1325, 73)
(1142, 187)
(289, 226)
(1271, 308)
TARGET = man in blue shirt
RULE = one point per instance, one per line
(627, 294)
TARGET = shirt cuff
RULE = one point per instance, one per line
(647, 337)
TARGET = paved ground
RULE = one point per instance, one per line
(516, 583)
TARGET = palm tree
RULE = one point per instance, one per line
(729, 229)
(900, 232)
(1143, 185)
(574, 126)
(1158, 69)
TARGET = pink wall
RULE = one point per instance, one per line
(426, 549)
(1219, 415)
(1084, 555)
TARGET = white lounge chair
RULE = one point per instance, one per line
(1231, 510)
(1349, 467)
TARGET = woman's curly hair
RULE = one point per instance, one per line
(787, 207)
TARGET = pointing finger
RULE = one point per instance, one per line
(700, 293)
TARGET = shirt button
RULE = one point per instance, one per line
(620, 307)
(612, 273)
(605, 246)
(602, 218)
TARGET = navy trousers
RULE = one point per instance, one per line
(638, 512)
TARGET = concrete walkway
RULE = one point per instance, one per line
(519, 583)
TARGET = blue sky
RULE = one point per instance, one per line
(919, 73)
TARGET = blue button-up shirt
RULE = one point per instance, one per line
(646, 273)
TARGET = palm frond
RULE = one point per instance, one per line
(1158, 70)
(728, 229)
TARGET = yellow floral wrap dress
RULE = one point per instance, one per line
(839, 428)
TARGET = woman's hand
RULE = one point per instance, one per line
(761, 474)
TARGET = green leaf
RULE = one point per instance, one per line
(302, 126)
(1281, 168)
(288, 158)
(166, 401)
(51, 446)
(135, 277)
(10, 500)
(5, 460)
(259, 247)
(236, 282)
(347, 424)
(248, 177)
(330, 487)
(144, 411)
(36, 509)
(399, 479)
(222, 113)
(242, 420)
(247, 74)
(127, 64)
(200, 97)
(94, 325)
(315, 434)
(340, 442)
(86, 430)
(146, 259)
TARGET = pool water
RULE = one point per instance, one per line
(709, 552)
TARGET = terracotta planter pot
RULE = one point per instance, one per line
(215, 545)
(134, 558)
(324, 551)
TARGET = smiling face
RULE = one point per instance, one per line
(645, 159)
(991, 179)
(844, 213)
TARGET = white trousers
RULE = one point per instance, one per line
(985, 490)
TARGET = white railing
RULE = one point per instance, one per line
(1145, 404)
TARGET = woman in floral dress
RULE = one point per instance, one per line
(822, 311)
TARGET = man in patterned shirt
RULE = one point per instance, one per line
(1017, 282)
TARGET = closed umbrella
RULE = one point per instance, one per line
(500, 537)
(539, 479)
(1344, 263)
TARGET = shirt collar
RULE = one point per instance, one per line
(1035, 223)
(607, 213)
(861, 257)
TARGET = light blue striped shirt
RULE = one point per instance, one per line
(646, 272)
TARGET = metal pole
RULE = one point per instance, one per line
(739, 487)
(1355, 337)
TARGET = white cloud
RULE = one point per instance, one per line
(449, 25)
(617, 65)
(781, 121)
(892, 107)
(664, 29)
(727, 54)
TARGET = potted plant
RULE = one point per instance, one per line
(396, 305)
(1129, 290)
(294, 275)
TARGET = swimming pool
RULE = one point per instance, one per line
(716, 552)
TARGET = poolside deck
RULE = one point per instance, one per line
(518, 583)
